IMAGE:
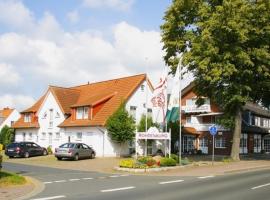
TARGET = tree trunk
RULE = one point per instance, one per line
(236, 136)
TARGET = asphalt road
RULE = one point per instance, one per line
(72, 185)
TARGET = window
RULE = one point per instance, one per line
(220, 142)
(43, 136)
(82, 112)
(142, 88)
(27, 117)
(149, 112)
(133, 111)
(51, 118)
(23, 136)
(79, 136)
(30, 136)
(85, 112)
(57, 135)
(131, 146)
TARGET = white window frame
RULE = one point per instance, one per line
(82, 112)
(43, 136)
(27, 117)
(220, 143)
(132, 111)
(85, 112)
(188, 121)
(30, 136)
(79, 136)
(57, 136)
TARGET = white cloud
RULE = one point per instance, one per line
(73, 16)
(15, 14)
(122, 5)
(49, 54)
(8, 75)
(20, 102)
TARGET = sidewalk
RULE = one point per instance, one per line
(21, 192)
(106, 165)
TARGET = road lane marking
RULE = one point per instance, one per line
(49, 198)
(168, 182)
(60, 181)
(260, 186)
(114, 176)
(47, 182)
(118, 189)
(124, 175)
(203, 177)
(74, 179)
(87, 178)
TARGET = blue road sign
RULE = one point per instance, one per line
(213, 130)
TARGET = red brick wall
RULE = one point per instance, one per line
(219, 151)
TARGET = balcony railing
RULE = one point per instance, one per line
(194, 108)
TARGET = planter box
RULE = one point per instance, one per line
(157, 169)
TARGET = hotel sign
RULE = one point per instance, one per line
(153, 134)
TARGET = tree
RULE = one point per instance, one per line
(6, 135)
(226, 45)
(150, 123)
(121, 127)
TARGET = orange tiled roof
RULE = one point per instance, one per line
(21, 124)
(5, 112)
(112, 92)
(119, 89)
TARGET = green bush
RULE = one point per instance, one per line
(226, 159)
(146, 159)
(127, 163)
(167, 162)
(49, 150)
(175, 157)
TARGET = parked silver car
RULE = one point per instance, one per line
(74, 151)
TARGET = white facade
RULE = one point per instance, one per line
(50, 116)
(14, 116)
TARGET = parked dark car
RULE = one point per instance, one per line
(74, 151)
(25, 149)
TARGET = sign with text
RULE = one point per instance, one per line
(153, 134)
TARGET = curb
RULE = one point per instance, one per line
(246, 169)
(147, 169)
(38, 187)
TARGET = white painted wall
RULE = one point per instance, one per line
(97, 137)
(14, 116)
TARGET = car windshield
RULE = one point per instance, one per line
(13, 145)
(67, 145)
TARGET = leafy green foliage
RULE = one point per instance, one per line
(127, 163)
(150, 123)
(49, 150)
(226, 45)
(167, 162)
(121, 126)
(6, 135)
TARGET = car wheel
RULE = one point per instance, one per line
(76, 157)
(45, 153)
(26, 155)
(58, 158)
(92, 155)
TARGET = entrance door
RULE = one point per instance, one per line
(257, 143)
(266, 144)
(243, 143)
(204, 145)
(188, 143)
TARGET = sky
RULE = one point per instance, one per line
(72, 42)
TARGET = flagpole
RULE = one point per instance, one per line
(180, 104)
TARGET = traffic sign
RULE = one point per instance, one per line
(213, 130)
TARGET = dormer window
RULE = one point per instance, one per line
(27, 117)
(82, 113)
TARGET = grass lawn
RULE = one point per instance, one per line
(9, 179)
